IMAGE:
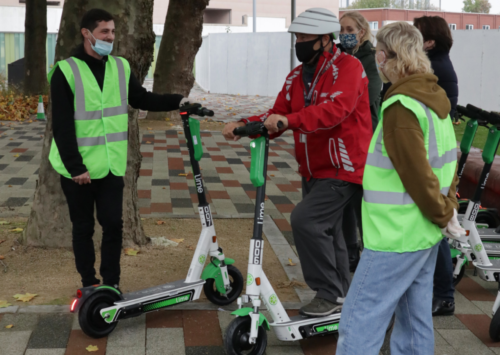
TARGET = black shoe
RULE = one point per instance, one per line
(442, 308)
(91, 283)
(320, 308)
(353, 258)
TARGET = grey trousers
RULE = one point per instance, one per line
(317, 230)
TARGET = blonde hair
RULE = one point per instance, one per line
(361, 24)
(405, 54)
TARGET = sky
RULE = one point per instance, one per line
(455, 5)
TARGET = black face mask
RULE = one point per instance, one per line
(305, 50)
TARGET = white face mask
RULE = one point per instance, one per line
(102, 48)
(381, 66)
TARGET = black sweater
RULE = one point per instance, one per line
(63, 122)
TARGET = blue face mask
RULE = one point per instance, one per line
(102, 48)
(348, 40)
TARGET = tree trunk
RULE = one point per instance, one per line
(35, 62)
(179, 45)
(49, 224)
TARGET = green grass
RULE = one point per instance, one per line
(479, 139)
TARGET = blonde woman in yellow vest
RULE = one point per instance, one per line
(408, 204)
(90, 94)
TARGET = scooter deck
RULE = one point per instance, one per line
(170, 288)
(307, 326)
(491, 272)
(492, 249)
(488, 234)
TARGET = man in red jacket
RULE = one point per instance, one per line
(325, 103)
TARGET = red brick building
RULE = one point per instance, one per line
(456, 20)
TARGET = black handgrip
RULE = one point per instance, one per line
(205, 112)
(280, 124)
(494, 118)
(474, 109)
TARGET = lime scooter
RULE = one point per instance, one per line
(484, 216)
(471, 243)
(484, 256)
(100, 307)
(246, 334)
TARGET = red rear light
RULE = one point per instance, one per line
(73, 305)
(184, 113)
(79, 294)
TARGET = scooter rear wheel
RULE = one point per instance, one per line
(90, 318)
(238, 334)
(495, 327)
(235, 281)
(456, 280)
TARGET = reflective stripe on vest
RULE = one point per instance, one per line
(378, 160)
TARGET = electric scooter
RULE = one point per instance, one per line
(471, 245)
(476, 119)
(101, 307)
(246, 334)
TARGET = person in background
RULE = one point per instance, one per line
(356, 39)
(409, 202)
(437, 44)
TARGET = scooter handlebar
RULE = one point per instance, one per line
(253, 129)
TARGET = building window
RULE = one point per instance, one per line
(453, 26)
(217, 16)
(374, 25)
(486, 27)
(469, 27)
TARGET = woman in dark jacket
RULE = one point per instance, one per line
(437, 44)
(355, 39)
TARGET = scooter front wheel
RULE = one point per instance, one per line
(237, 338)
(235, 282)
(90, 318)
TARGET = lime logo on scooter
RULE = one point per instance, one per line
(260, 219)
(202, 259)
(478, 247)
(257, 246)
(273, 300)
(249, 279)
(199, 184)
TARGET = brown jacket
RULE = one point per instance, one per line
(404, 142)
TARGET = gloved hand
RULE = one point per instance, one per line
(453, 230)
(184, 101)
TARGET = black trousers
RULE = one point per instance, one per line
(107, 196)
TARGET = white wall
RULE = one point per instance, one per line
(244, 63)
(12, 19)
(476, 58)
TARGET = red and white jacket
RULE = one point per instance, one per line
(333, 133)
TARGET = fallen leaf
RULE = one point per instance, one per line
(130, 251)
(2, 257)
(164, 188)
(142, 219)
(17, 230)
(4, 304)
(4, 222)
(148, 142)
(293, 283)
(177, 240)
(10, 185)
(290, 262)
(1, 241)
(9, 326)
(183, 174)
(92, 348)
(149, 128)
(272, 175)
(160, 223)
(16, 156)
(190, 247)
(25, 298)
(11, 139)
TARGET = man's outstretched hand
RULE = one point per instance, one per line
(82, 179)
(271, 123)
(227, 132)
